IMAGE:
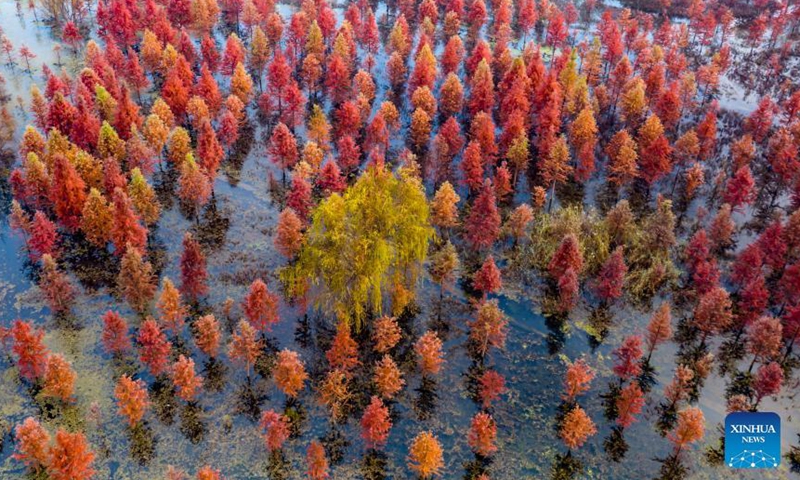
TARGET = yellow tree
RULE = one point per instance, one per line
(97, 219)
(241, 83)
(143, 198)
(622, 156)
(444, 207)
(554, 167)
(363, 244)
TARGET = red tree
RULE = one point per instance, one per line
(318, 468)
(68, 193)
(629, 403)
(713, 312)
(768, 381)
(32, 444)
(375, 424)
(483, 222)
(186, 379)
(57, 289)
(487, 279)
(132, 399)
(29, 349)
(289, 373)
(154, 348)
(194, 275)
(611, 278)
(299, 198)
(491, 385)
(482, 434)
(244, 347)
(276, 428)
(568, 290)
(42, 237)
(740, 189)
(343, 353)
(568, 255)
(429, 352)
(70, 457)
(261, 306)
(126, 230)
(577, 379)
(283, 148)
(207, 336)
(659, 330)
(627, 356)
(116, 339)
(59, 378)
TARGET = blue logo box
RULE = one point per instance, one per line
(752, 440)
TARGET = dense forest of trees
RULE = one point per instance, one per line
(437, 152)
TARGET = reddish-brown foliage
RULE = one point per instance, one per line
(576, 428)
(487, 279)
(154, 347)
(568, 289)
(567, 256)
(318, 468)
(289, 373)
(611, 279)
(169, 304)
(740, 189)
(491, 385)
(276, 428)
(375, 424)
(429, 353)
(132, 399)
(483, 434)
(343, 352)
(208, 473)
(388, 379)
(187, 382)
(334, 392)
(55, 285)
(32, 442)
(577, 379)
(283, 147)
(659, 330)
(42, 238)
(261, 306)
(689, 429)
(627, 358)
(768, 380)
(136, 280)
(489, 328)
(483, 223)
(245, 347)
(193, 269)
(386, 333)
(289, 233)
(70, 457)
(116, 338)
(299, 197)
(207, 335)
(764, 339)
(713, 312)
(29, 349)
(126, 229)
(68, 193)
(629, 403)
(59, 378)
